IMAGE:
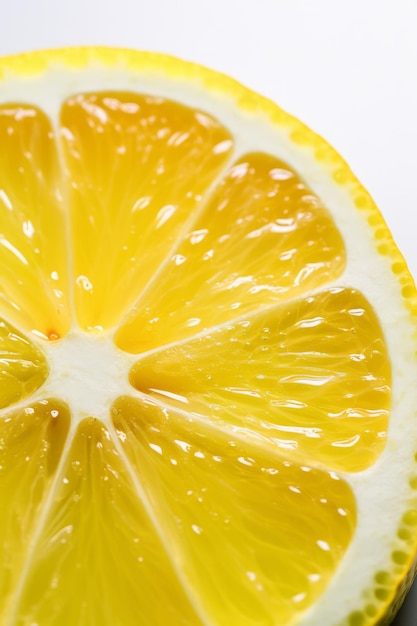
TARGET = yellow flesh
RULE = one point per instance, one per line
(225, 509)
(171, 154)
(284, 374)
(263, 237)
(209, 497)
(33, 255)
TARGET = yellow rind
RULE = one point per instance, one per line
(32, 64)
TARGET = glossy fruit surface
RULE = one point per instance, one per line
(208, 349)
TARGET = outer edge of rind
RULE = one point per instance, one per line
(389, 609)
(31, 64)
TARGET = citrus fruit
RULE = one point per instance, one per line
(208, 358)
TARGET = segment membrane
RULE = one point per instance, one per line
(258, 538)
(98, 559)
(23, 367)
(33, 254)
(31, 443)
(264, 237)
(312, 378)
(137, 167)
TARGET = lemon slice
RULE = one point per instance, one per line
(208, 358)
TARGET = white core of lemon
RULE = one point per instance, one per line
(88, 372)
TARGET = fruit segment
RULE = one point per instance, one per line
(137, 166)
(312, 378)
(33, 254)
(258, 537)
(264, 237)
(31, 444)
(98, 559)
(23, 366)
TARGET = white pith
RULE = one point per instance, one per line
(87, 372)
(382, 492)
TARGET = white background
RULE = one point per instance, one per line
(348, 69)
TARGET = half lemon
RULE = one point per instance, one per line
(208, 358)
